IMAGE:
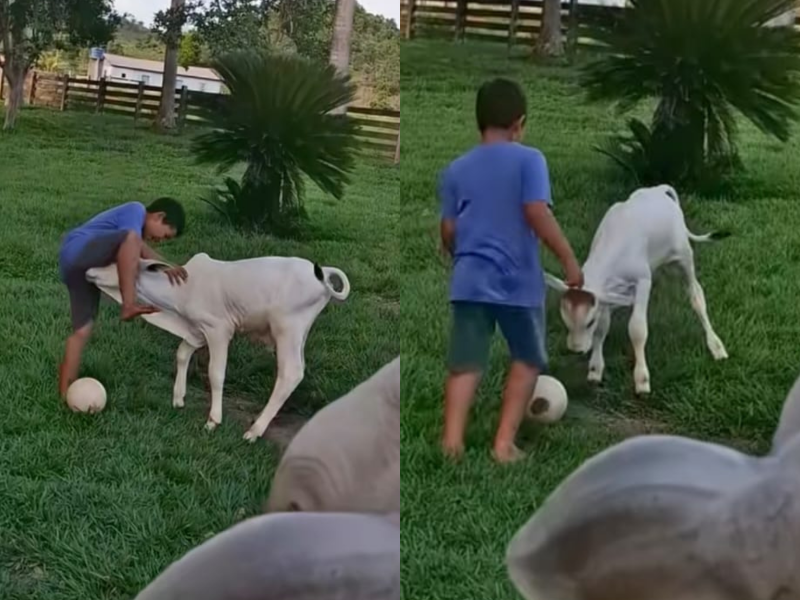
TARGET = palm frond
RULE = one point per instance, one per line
(705, 62)
(278, 120)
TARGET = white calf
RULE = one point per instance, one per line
(273, 299)
(634, 239)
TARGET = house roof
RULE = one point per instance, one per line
(155, 66)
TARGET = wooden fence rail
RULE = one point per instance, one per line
(379, 129)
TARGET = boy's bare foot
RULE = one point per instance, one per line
(507, 454)
(453, 451)
(135, 310)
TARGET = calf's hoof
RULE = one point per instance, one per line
(251, 436)
(643, 388)
(594, 376)
(717, 348)
(211, 425)
(178, 403)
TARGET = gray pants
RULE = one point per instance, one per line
(84, 297)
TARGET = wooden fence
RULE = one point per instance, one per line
(510, 21)
(379, 129)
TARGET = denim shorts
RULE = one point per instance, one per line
(473, 326)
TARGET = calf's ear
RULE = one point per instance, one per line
(555, 283)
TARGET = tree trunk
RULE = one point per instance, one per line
(340, 47)
(166, 111)
(342, 32)
(550, 42)
(15, 76)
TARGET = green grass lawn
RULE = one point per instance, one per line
(457, 519)
(93, 507)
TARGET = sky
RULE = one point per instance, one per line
(144, 10)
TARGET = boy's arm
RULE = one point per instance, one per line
(448, 197)
(447, 229)
(539, 217)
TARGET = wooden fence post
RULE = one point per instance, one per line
(397, 149)
(64, 92)
(412, 8)
(512, 25)
(183, 107)
(139, 98)
(461, 19)
(101, 95)
(32, 94)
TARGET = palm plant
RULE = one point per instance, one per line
(277, 121)
(703, 61)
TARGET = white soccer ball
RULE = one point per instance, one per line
(548, 402)
(86, 395)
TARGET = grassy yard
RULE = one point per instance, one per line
(93, 507)
(457, 519)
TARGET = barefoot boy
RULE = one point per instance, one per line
(495, 209)
(115, 235)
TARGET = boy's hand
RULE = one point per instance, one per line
(574, 275)
(177, 275)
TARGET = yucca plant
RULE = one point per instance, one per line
(705, 62)
(277, 121)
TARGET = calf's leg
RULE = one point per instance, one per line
(218, 342)
(597, 363)
(698, 299)
(183, 358)
(289, 345)
(637, 330)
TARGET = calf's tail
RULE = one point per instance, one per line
(327, 274)
(708, 237)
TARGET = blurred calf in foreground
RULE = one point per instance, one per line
(347, 457)
(298, 556)
(669, 518)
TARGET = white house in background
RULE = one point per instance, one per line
(133, 70)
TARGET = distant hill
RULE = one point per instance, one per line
(135, 39)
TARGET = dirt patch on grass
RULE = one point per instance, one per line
(633, 426)
(280, 432)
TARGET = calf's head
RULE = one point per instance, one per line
(579, 311)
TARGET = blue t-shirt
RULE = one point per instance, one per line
(496, 255)
(126, 217)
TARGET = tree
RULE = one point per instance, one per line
(28, 28)
(226, 25)
(278, 120)
(550, 41)
(309, 24)
(170, 25)
(702, 62)
(190, 51)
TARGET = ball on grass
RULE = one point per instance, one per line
(86, 395)
(548, 402)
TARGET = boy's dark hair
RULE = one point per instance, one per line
(174, 214)
(500, 103)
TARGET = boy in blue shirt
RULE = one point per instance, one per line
(116, 235)
(496, 206)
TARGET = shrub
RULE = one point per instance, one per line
(704, 62)
(277, 120)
